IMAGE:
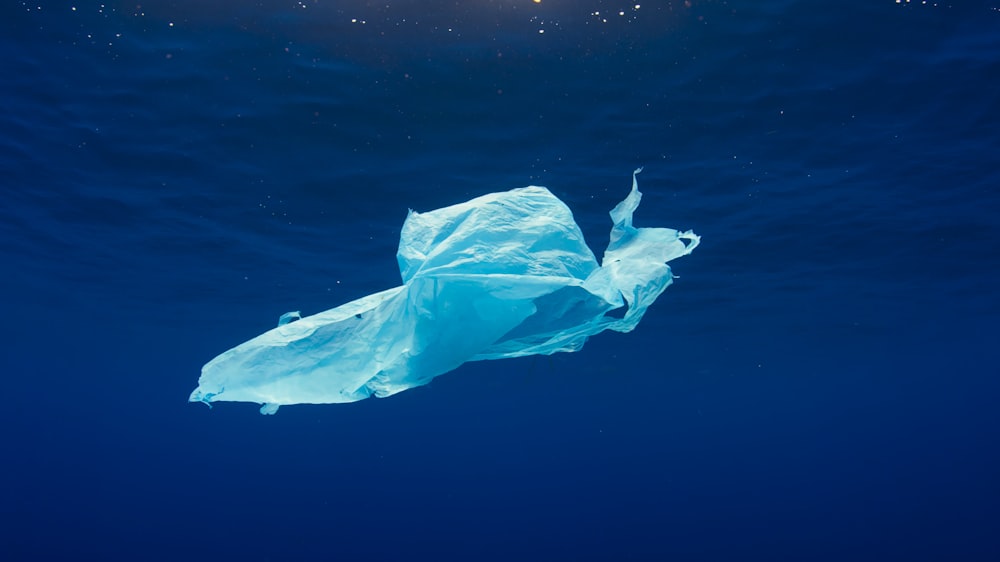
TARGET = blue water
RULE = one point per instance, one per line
(820, 383)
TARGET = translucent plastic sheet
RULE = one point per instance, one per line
(503, 275)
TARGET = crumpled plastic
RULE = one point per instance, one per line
(503, 275)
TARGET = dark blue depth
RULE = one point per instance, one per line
(820, 382)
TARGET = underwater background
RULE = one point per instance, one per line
(819, 383)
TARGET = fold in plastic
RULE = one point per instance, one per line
(503, 275)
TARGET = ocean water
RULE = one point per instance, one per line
(820, 382)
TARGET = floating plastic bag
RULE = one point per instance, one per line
(503, 275)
